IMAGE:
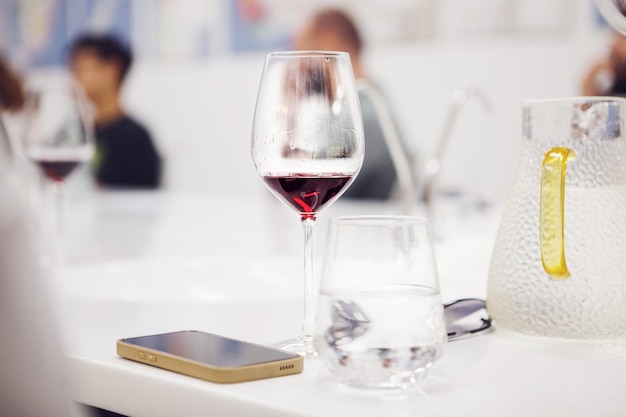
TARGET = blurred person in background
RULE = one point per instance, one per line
(12, 95)
(126, 155)
(12, 99)
(334, 30)
(608, 76)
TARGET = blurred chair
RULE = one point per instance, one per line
(406, 185)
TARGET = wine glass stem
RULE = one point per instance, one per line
(309, 281)
(58, 242)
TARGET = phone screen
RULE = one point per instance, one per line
(210, 349)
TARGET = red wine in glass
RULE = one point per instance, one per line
(306, 193)
(56, 170)
(57, 164)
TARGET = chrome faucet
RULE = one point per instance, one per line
(432, 167)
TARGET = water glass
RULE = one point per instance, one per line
(380, 317)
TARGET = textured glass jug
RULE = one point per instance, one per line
(559, 263)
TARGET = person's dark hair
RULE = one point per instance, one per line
(341, 23)
(107, 48)
(12, 95)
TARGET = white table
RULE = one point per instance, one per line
(256, 296)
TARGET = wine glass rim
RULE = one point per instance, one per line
(380, 218)
(307, 53)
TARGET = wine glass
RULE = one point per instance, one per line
(57, 137)
(307, 145)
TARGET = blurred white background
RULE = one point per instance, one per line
(197, 97)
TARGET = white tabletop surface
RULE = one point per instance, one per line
(185, 267)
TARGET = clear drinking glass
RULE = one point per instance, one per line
(57, 137)
(380, 318)
(307, 145)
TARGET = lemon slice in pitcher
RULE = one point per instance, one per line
(552, 212)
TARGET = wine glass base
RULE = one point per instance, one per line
(303, 346)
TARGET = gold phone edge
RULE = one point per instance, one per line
(206, 372)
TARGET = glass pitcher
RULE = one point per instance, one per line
(559, 263)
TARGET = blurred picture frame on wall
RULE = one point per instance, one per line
(36, 34)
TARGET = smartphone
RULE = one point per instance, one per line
(210, 357)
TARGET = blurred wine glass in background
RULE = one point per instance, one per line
(57, 137)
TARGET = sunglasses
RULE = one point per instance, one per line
(466, 317)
